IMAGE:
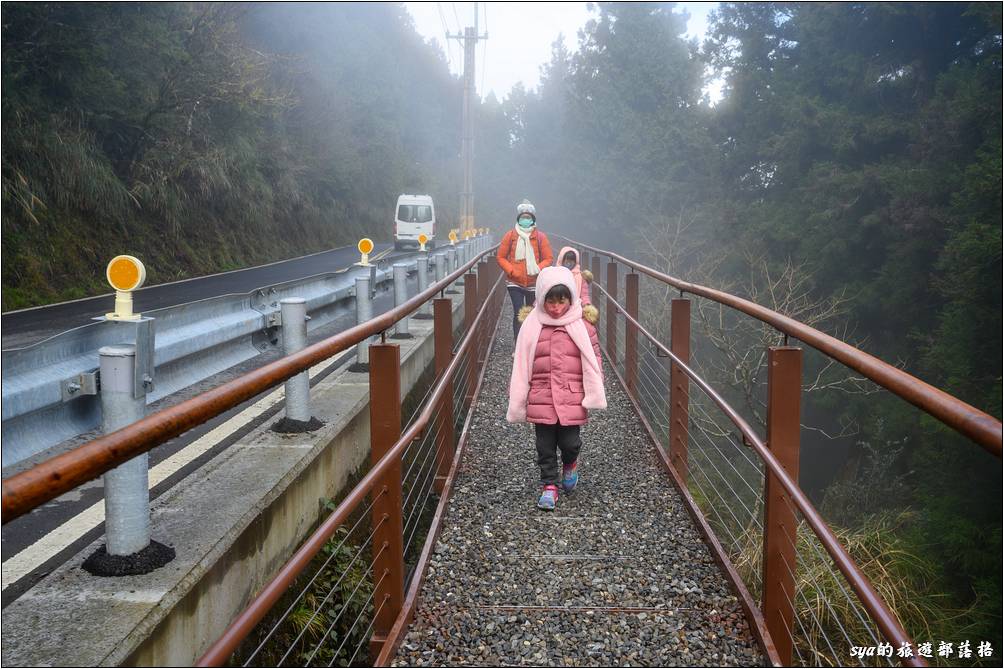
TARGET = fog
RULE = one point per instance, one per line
(848, 177)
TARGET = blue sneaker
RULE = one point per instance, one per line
(548, 496)
(570, 476)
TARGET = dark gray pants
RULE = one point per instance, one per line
(520, 297)
(550, 439)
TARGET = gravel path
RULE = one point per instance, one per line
(509, 584)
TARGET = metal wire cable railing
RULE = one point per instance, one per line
(408, 494)
(979, 426)
(731, 498)
(284, 617)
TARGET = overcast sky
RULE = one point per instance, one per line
(519, 35)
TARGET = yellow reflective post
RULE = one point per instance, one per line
(422, 239)
(125, 274)
(365, 247)
(453, 237)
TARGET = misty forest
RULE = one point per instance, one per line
(849, 176)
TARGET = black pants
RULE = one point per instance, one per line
(520, 297)
(561, 437)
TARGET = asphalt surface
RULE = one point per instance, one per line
(23, 532)
(28, 326)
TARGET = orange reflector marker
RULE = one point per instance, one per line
(422, 239)
(365, 247)
(125, 274)
(453, 237)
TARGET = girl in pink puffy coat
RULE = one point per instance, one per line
(557, 376)
(569, 257)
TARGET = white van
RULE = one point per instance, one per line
(415, 215)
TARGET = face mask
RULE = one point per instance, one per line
(556, 310)
(569, 263)
(525, 222)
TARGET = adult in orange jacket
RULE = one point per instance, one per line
(522, 253)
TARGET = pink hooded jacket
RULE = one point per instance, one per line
(557, 369)
(583, 277)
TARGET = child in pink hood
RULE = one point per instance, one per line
(557, 376)
(569, 257)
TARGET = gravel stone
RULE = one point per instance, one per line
(511, 585)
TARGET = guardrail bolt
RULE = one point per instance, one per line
(128, 549)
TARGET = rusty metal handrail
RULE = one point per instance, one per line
(886, 620)
(62, 473)
(242, 625)
(977, 425)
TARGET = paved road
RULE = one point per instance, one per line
(27, 326)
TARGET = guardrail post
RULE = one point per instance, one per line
(471, 305)
(388, 526)
(612, 312)
(443, 332)
(364, 312)
(679, 383)
(402, 331)
(451, 267)
(294, 338)
(440, 267)
(127, 491)
(631, 334)
(784, 387)
(596, 270)
(422, 263)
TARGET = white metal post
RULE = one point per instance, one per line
(401, 296)
(127, 492)
(364, 312)
(294, 338)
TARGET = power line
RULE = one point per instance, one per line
(484, 51)
(446, 32)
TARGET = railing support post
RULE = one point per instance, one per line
(784, 386)
(127, 492)
(388, 526)
(631, 334)
(294, 338)
(596, 269)
(612, 312)
(443, 332)
(484, 288)
(471, 305)
(679, 383)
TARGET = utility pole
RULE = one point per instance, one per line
(470, 38)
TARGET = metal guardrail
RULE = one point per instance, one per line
(57, 475)
(50, 388)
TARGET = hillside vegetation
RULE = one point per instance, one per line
(203, 137)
